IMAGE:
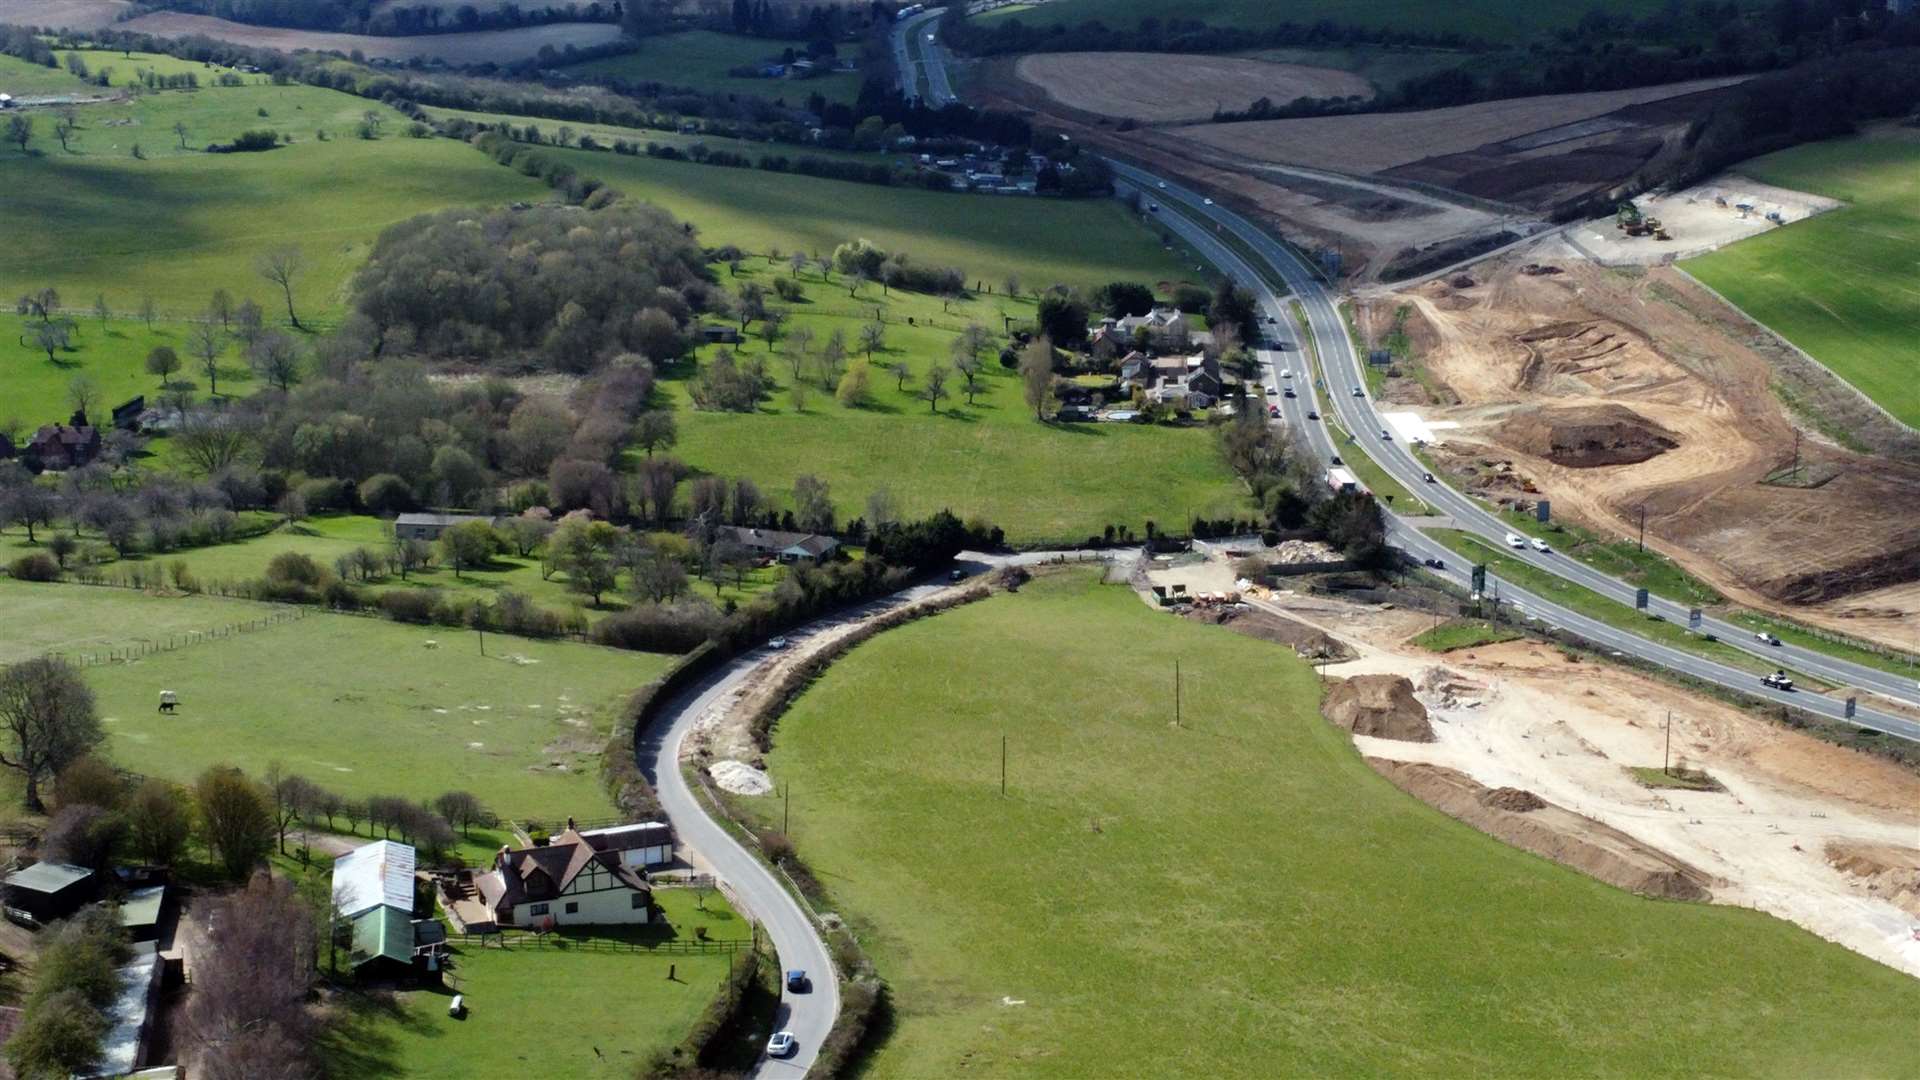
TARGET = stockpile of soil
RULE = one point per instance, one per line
(1381, 706)
(1587, 436)
(1889, 872)
(1309, 642)
(1550, 831)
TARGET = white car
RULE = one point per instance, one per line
(777, 643)
(1208, 202)
(1514, 541)
(783, 1044)
(929, 37)
(1540, 546)
(1163, 185)
(1286, 373)
(1765, 638)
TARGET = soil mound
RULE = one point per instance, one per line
(1382, 706)
(1586, 437)
(1551, 831)
(1889, 872)
(1515, 799)
(1308, 642)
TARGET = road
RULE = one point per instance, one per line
(910, 40)
(1203, 225)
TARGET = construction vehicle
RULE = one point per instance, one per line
(1775, 217)
(1720, 201)
(1777, 681)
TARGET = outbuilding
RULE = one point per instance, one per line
(49, 890)
(428, 527)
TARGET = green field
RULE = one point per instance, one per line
(608, 134)
(598, 1013)
(1084, 243)
(180, 224)
(700, 60)
(1839, 285)
(1464, 634)
(1243, 896)
(112, 357)
(73, 619)
(364, 706)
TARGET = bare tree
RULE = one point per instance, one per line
(873, 336)
(882, 508)
(248, 1012)
(901, 373)
(82, 394)
(275, 358)
(20, 130)
(280, 266)
(205, 343)
(1036, 375)
(63, 130)
(180, 129)
(934, 390)
(49, 718)
(462, 809)
(970, 373)
(147, 311)
(221, 307)
(211, 441)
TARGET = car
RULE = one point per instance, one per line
(783, 1044)
(1273, 411)
(1153, 208)
(1435, 564)
(929, 37)
(1312, 415)
(1765, 638)
(1208, 202)
(797, 981)
(1540, 546)
(1336, 460)
(1267, 318)
(1777, 681)
(1273, 389)
(1514, 541)
(1163, 185)
(1290, 392)
(1385, 434)
(1286, 373)
(957, 574)
(1357, 392)
(777, 643)
(1428, 477)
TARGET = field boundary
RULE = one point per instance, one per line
(183, 639)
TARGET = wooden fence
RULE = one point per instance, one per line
(522, 939)
(185, 638)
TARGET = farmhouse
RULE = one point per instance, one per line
(566, 881)
(373, 890)
(787, 547)
(428, 527)
(62, 446)
(49, 890)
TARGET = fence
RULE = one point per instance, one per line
(529, 940)
(184, 639)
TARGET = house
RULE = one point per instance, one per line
(1159, 320)
(649, 843)
(373, 890)
(1136, 367)
(788, 547)
(126, 415)
(715, 334)
(565, 882)
(428, 527)
(131, 1019)
(49, 890)
(62, 446)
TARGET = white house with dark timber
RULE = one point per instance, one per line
(565, 882)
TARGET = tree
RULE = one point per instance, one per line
(873, 336)
(1233, 306)
(147, 311)
(658, 576)
(52, 335)
(812, 503)
(100, 309)
(854, 391)
(50, 721)
(832, 355)
(248, 1013)
(213, 441)
(1036, 376)
(772, 320)
(63, 130)
(204, 344)
(62, 546)
(747, 501)
(236, 819)
(58, 1036)
(468, 544)
(275, 358)
(163, 361)
(462, 809)
(583, 550)
(290, 794)
(249, 322)
(753, 303)
(82, 834)
(459, 473)
(158, 822)
(882, 508)
(526, 534)
(221, 307)
(656, 430)
(1013, 285)
(1062, 318)
(88, 781)
(29, 505)
(180, 129)
(797, 262)
(20, 130)
(969, 369)
(280, 266)
(934, 390)
(1120, 299)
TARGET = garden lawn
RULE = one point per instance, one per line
(364, 706)
(1079, 242)
(1839, 285)
(700, 59)
(1042, 483)
(76, 620)
(180, 224)
(1242, 896)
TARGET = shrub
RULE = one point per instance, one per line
(294, 568)
(386, 494)
(408, 605)
(35, 567)
(326, 493)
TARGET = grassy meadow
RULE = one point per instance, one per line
(1242, 896)
(365, 706)
(1839, 285)
(111, 356)
(700, 60)
(74, 620)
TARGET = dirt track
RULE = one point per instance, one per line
(1591, 339)
(472, 47)
(1158, 87)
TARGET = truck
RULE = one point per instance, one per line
(1340, 480)
(1777, 681)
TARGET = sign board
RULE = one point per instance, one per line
(1543, 510)
(1852, 704)
(1640, 600)
(1693, 619)
(1480, 579)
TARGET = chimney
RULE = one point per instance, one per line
(570, 827)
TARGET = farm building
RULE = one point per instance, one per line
(49, 890)
(62, 446)
(649, 843)
(787, 547)
(720, 335)
(565, 882)
(428, 527)
(373, 888)
(144, 912)
(132, 1016)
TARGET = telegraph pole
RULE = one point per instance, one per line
(1667, 757)
(1176, 693)
(1003, 766)
(1643, 526)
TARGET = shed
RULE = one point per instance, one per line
(143, 912)
(428, 527)
(372, 875)
(715, 334)
(124, 1049)
(49, 890)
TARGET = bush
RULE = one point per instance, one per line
(409, 605)
(35, 567)
(387, 494)
(324, 494)
(294, 568)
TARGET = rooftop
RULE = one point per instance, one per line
(374, 874)
(142, 906)
(48, 877)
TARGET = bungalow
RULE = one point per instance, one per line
(787, 547)
(428, 527)
(565, 882)
(60, 446)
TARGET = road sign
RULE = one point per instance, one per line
(1480, 579)
(1543, 510)
(1852, 704)
(1640, 600)
(1693, 619)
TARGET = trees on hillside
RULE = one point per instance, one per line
(49, 720)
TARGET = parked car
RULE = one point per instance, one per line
(783, 1044)
(777, 643)
(1514, 541)
(1765, 638)
(1540, 546)
(797, 981)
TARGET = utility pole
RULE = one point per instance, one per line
(1643, 526)
(1667, 758)
(483, 639)
(1003, 766)
(1176, 693)
(786, 809)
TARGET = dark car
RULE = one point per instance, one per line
(1435, 564)
(797, 981)
(1312, 415)
(1336, 460)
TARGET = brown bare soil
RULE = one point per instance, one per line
(1381, 706)
(63, 14)
(1587, 436)
(1377, 142)
(469, 47)
(1550, 831)
(1307, 641)
(1161, 87)
(1885, 870)
(1629, 345)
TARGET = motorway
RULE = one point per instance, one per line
(1201, 223)
(910, 35)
